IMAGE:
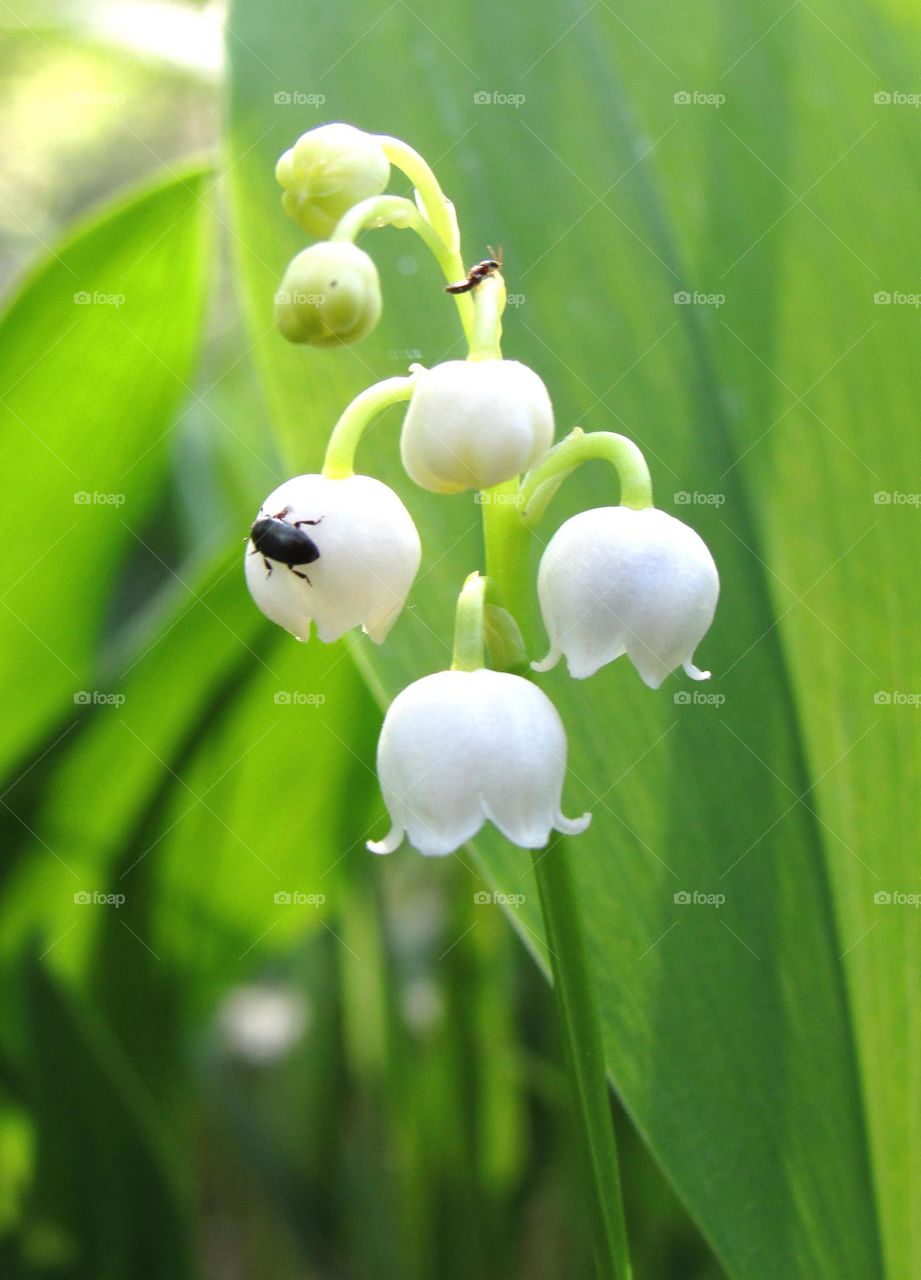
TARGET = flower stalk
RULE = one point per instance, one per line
(339, 462)
(542, 481)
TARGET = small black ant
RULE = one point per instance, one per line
(275, 538)
(478, 273)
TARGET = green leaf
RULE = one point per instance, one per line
(761, 1045)
(95, 1120)
(99, 345)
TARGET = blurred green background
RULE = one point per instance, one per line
(232, 1043)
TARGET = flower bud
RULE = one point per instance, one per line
(472, 424)
(357, 568)
(614, 580)
(330, 294)
(327, 171)
(460, 747)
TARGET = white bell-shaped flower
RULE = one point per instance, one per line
(347, 553)
(472, 424)
(614, 580)
(459, 748)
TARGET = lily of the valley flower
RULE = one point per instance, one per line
(616, 580)
(367, 554)
(330, 294)
(328, 170)
(472, 424)
(459, 748)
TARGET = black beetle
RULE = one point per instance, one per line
(275, 538)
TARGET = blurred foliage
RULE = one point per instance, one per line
(233, 1044)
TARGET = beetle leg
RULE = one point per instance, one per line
(298, 574)
(268, 566)
(298, 523)
(281, 515)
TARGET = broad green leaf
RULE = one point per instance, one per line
(99, 346)
(762, 1045)
(95, 1117)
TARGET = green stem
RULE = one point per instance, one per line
(439, 211)
(585, 1056)
(339, 462)
(489, 303)
(507, 542)
(469, 653)
(542, 482)
(397, 211)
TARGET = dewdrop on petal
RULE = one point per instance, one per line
(330, 295)
(369, 553)
(328, 170)
(616, 580)
(472, 424)
(460, 748)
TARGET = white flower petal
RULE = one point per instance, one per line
(472, 424)
(369, 554)
(460, 747)
(614, 580)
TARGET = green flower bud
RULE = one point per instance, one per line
(327, 171)
(330, 294)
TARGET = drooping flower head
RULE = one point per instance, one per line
(615, 580)
(328, 170)
(367, 552)
(330, 295)
(472, 424)
(459, 748)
